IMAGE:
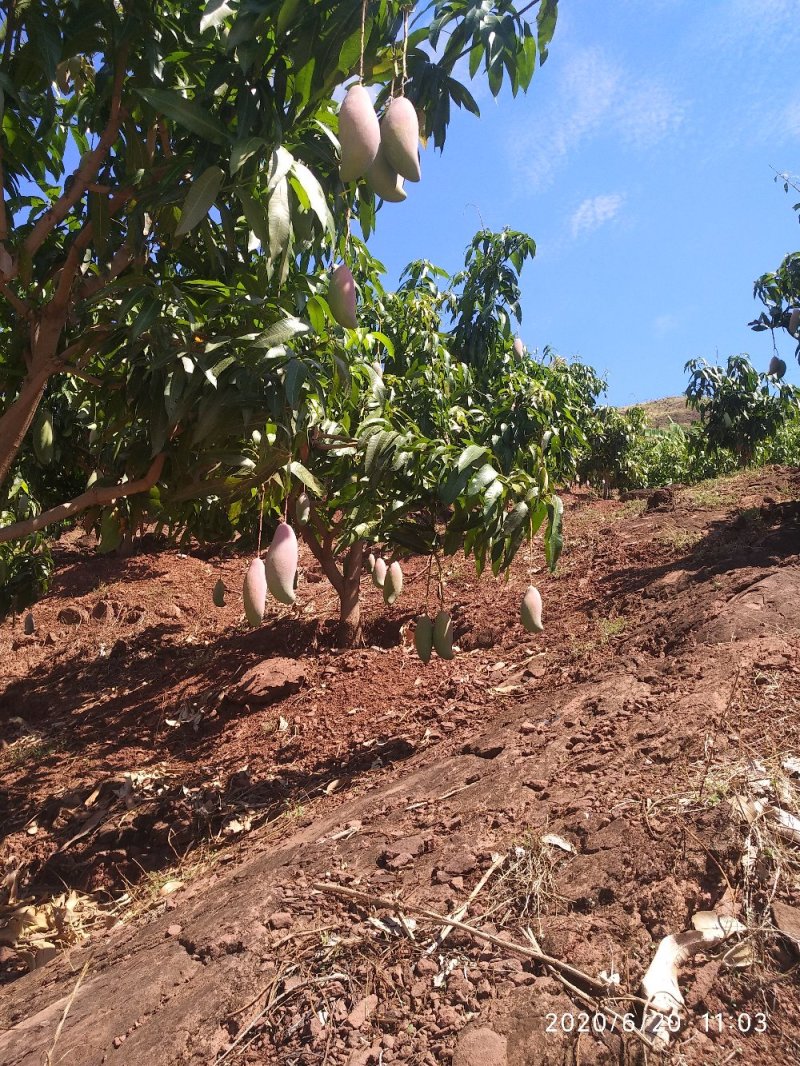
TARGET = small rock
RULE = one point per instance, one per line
(528, 727)
(536, 784)
(426, 967)
(362, 1011)
(463, 862)
(397, 862)
(104, 609)
(457, 884)
(73, 616)
(481, 1047)
(133, 615)
(448, 1018)
(174, 930)
(269, 681)
(280, 920)
(787, 919)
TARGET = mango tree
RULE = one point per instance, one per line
(169, 203)
(739, 408)
(407, 441)
(779, 292)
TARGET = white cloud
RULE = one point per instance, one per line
(594, 212)
(648, 115)
(743, 24)
(664, 324)
(595, 96)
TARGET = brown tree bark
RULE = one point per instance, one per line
(349, 633)
(16, 421)
(346, 582)
(94, 497)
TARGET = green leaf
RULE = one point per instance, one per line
(110, 532)
(485, 476)
(470, 455)
(216, 11)
(244, 150)
(279, 166)
(316, 197)
(287, 13)
(99, 217)
(202, 194)
(281, 332)
(546, 18)
(279, 219)
(293, 383)
(553, 539)
(308, 479)
(255, 216)
(186, 113)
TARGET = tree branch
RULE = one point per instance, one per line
(325, 559)
(88, 168)
(122, 258)
(78, 248)
(94, 497)
(22, 307)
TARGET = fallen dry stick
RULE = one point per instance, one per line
(558, 968)
(397, 906)
(462, 910)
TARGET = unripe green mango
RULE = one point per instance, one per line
(423, 637)
(302, 509)
(393, 583)
(255, 592)
(400, 138)
(443, 635)
(794, 321)
(342, 297)
(531, 610)
(218, 595)
(281, 564)
(359, 133)
(379, 573)
(43, 436)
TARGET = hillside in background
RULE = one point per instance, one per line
(669, 409)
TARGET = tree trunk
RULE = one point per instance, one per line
(349, 632)
(16, 421)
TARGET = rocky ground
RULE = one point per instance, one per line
(223, 845)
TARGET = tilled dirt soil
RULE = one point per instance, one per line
(174, 786)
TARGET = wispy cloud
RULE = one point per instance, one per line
(744, 25)
(791, 118)
(595, 212)
(664, 324)
(595, 96)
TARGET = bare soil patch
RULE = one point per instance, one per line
(173, 786)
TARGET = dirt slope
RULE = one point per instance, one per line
(622, 735)
(666, 411)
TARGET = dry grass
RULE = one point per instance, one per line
(661, 413)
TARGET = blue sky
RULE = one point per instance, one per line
(640, 161)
